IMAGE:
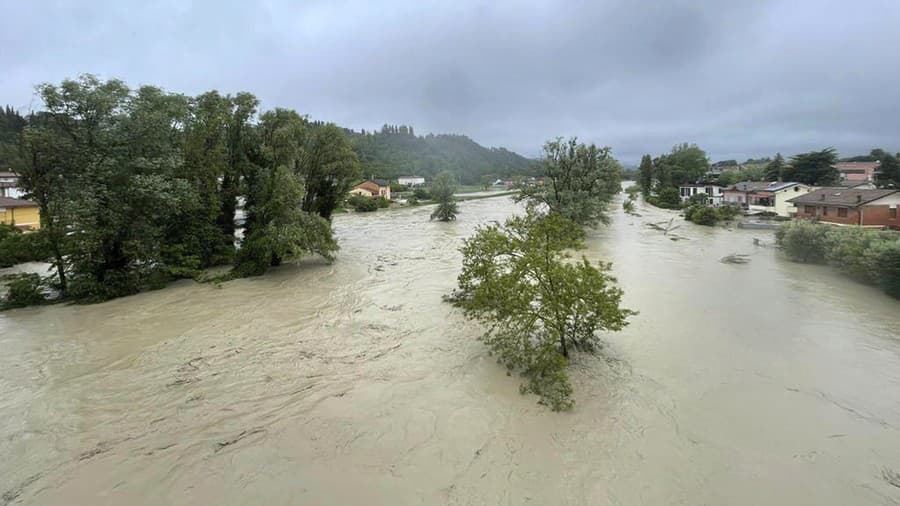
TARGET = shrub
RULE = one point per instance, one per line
(363, 204)
(398, 188)
(704, 215)
(802, 241)
(382, 202)
(422, 194)
(887, 265)
(22, 290)
(17, 247)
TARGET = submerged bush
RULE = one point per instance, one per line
(362, 204)
(705, 215)
(25, 289)
(870, 256)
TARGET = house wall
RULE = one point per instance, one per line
(734, 197)
(385, 191)
(29, 216)
(817, 213)
(361, 191)
(782, 206)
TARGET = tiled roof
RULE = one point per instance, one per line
(11, 202)
(843, 197)
(755, 186)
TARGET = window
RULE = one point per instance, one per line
(892, 213)
(842, 212)
(824, 211)
(809, 210)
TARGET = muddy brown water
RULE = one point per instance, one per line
(352, 383)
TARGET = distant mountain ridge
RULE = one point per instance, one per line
(396, 151)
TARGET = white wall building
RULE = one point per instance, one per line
(9, 186)
(411, 180)
(713, 192)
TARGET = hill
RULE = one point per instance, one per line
(396, 151)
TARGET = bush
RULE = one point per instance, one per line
(633, 190)
(382, 202)
(22, 290)
(871, 256)
(422, 194)
(398, 188)
(363, 204)
(704, 215)
(802, 241)
(17, 247)
(667, 198)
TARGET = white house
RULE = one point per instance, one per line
(9, 186)
(411, 180)
(713, 192)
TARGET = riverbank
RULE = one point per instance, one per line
(768, 382)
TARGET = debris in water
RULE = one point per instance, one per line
(245, 433)
(735, 258)
(891, 477)
(664, 226)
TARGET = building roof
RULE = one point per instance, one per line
(841, 197)
(756, 186)
(8, 174)
(698, 185)
(11, 202)
(866, 166)
(410, 177)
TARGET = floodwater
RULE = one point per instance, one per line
(352, 383)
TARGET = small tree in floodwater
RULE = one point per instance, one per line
(539, 306)
(442, 191)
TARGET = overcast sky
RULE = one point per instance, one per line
(739, 78)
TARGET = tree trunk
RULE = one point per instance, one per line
(562, 343)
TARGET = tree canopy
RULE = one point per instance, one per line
(442, 190)
(579, 181)
(814, 168)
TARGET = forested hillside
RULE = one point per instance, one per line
(396, 151)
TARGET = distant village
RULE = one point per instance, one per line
(855, 200)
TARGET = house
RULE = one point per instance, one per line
(712, 191)
(9, 185)
(24, 214)
(850, 206)
(765, 196)
(373, 188)
(411, 180)
(857, 171)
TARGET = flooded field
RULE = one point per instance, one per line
(352, 383)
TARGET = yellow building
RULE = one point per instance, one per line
(24, 214)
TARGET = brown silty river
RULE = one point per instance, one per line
(353, 383)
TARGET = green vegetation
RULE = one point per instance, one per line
(362, 204)
(139, 187)
(22, 290)
(870, 256)
(17, 247)
(579, 181)
(702, 214)
(775, 168)
(667, 198)
(396, 151)
(520, 280)
(538, 306)
(813, 168)
(442, 191)
(660, 177)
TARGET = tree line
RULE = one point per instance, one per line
(137, 187)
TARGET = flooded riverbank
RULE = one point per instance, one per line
(352, 383)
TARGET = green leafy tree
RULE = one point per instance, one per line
(579, 181)
(538, 306)
(442, 190)
(774, 168)
(646, 174)
(486, 181)
(329, 168)
(888, 175)
(688, 164)
(813, 168)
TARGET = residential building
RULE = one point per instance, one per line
(24, 214)
(9, 185)
(411, 180)
(851, 206)
(713, 192)
(373, 188)
(765, 196)
(857, 171)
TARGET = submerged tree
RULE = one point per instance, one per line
(329, 168)
(579, 181)
(442, 190)
(538, 305)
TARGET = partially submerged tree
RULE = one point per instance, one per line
(537, 303)
(329, 167)
(579, 181)
(442, 190)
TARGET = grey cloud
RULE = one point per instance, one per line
(740, 78)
